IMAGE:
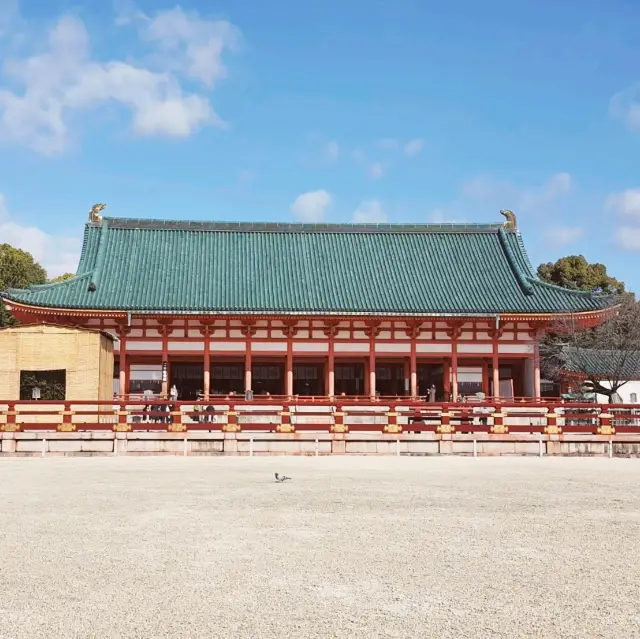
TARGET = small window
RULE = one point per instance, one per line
(43, 385)
(633, 398)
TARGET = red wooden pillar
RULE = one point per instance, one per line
(123, 330)
(496, 369)
(372, 330)
(537, 387)
(413, 370)
(454, 332)
(248, 329)
(454, 370)
(207, 366)
(289, 369)
(446, 381)
(372, 374)
(485, 377)
(330, 330)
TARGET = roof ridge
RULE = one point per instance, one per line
(293, 227)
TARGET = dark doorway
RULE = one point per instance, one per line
(267, 379)
(349, 379)
(390, 379)
(308, 379)
(188, 378)
(428, 375)
(227, 378)
(49, 385)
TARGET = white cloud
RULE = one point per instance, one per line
(57, 253)
(388, 144)
(628, 238)
(332, 150)
(370, 212)
(413, 147)
(625, 106)
(42, 93)
(625, 203)
(505, 194)
(563, 235)
(312, 206)
(192, 45)
(376, 171)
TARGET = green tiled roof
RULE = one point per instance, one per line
(151, 265)
(602, 364)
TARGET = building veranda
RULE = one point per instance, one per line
(435, 310)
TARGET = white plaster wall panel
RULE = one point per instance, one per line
(343, 335)
(303, 334)
(146, 367)
(470, 374)
(440, 325)
(235, 333)
(141, 345)
(193, 332)
(261, 334)
(93, 322)
(483, 335)
(426, 335)
(392, 347)
(344, 325)
(359, 325)
(385, 335)
(179, 332)
(442, 335)
(466, 335)
(630, 393)
(523, 325)
(263, 324)
(433, 348)
(277, 333)
(136, 332)
(137, 322)
(311, 347)
(475, 348)
(186, 346)
(360, 335)
(227, 347)
(507, 337)
(257, 347)
(318, 334)
(515, 349)
(116, 345)
(350, 347)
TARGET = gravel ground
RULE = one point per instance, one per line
(352, 547)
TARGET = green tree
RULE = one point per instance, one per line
(576, 273)
(18, 269)
(61, 278)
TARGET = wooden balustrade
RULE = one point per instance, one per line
(339, 416)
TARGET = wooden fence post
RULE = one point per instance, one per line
(445, 427)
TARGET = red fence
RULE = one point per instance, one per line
(342, 415)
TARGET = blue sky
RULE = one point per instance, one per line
(396, 110)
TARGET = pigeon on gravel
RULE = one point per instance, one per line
(282, 478)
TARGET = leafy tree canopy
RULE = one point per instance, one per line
(576, 273)
(18, 269)
(61, 278)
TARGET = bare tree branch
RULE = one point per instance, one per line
(607, 355)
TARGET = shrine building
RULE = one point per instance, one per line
(311, 309)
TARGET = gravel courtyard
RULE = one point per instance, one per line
(352, 547)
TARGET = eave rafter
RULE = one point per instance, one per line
(34, 314)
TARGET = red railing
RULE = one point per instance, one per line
(341, 415)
